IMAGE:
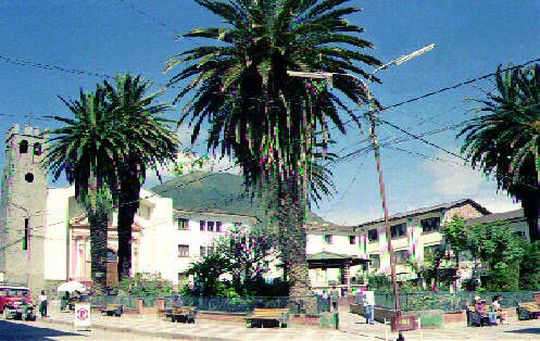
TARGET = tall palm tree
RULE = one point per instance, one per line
(148, 143)
(84, 149)
(259, 114)
(505, 140)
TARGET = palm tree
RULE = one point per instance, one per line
(256, 112)
(84, 149)
(505, 141)
(148, 143)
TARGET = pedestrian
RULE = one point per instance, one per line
(334, 296)
(43, 304)
(368, 298)
(497, 308)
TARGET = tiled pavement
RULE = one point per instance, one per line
(352, 327)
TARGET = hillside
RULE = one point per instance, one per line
(213, 191)
(199, 190)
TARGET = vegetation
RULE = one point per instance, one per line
(244, 256)
(495, 245)
(147, 142)
(83, 149)
(146, 285)
(505, 140)
(269, 121)
(105, 151)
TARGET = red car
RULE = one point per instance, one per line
(11, 295)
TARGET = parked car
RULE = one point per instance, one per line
(11, 295)
(20, 311)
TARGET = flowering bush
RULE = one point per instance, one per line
(146, 284)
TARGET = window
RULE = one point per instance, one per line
(26, 234)
(401, 256)
(328, 238)
(210, 226)
(432, 250)
(37, 149)
(352, 240)
(372, 235)
(398, 231)
(430, 224)
(237, 224)
(29, 177)
(23, 147)
(375, 261)
(218, 226)
(182, 223)
(183, 250)
(183, 279)
(203, 225)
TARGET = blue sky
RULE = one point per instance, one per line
(472, 38)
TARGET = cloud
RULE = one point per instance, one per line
(452, 180)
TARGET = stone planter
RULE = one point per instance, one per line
(329, 320)
(431, 319)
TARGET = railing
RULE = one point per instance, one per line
(447, 301)
(223, 304)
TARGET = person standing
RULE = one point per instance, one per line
(368, 298)
(43, 304)
(334, 296)
(497, 309)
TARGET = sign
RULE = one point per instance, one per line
(82, 315)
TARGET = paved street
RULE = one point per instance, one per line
(149, 327)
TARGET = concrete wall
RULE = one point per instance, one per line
(23, 197)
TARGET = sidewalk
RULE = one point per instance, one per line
(352, 327)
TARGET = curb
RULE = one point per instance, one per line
(164, 335)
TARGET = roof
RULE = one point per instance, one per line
(325, 226)
(428, 209)
(327, 255)
(504, 216)
(212, 211)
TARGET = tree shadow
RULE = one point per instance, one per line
(20, 331)
(524, 331)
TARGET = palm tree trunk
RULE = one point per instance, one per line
(99, 221)
(293, 242)
(128, 205)
(531, 210)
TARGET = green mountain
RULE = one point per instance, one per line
(201, 191)
(212, 191)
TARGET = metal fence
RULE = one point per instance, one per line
(447, 301)
(221, 304)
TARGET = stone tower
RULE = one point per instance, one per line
(23, 209)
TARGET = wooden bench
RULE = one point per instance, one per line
(261, 315)
(113, 309)
(181, 314)
(527, 311)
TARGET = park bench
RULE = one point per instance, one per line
(527, 311)
(474, 319)
(181, 314)
(113, 309)
(261, 315)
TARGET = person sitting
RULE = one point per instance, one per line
(496, 304)
(481, 309)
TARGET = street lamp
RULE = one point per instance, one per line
(372, 110)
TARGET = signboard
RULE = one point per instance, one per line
(82, 315)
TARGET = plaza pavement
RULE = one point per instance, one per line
(352, 327)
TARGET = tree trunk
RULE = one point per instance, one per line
(128, 205)
(99, 222)
(531, 210)
(293, 241)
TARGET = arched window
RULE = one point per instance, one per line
(23, 147)
(37, 148)
(29, 177)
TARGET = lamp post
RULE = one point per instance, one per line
(372, 110)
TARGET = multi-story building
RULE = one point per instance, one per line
(414, 233)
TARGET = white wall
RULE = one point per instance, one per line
(56, 233)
